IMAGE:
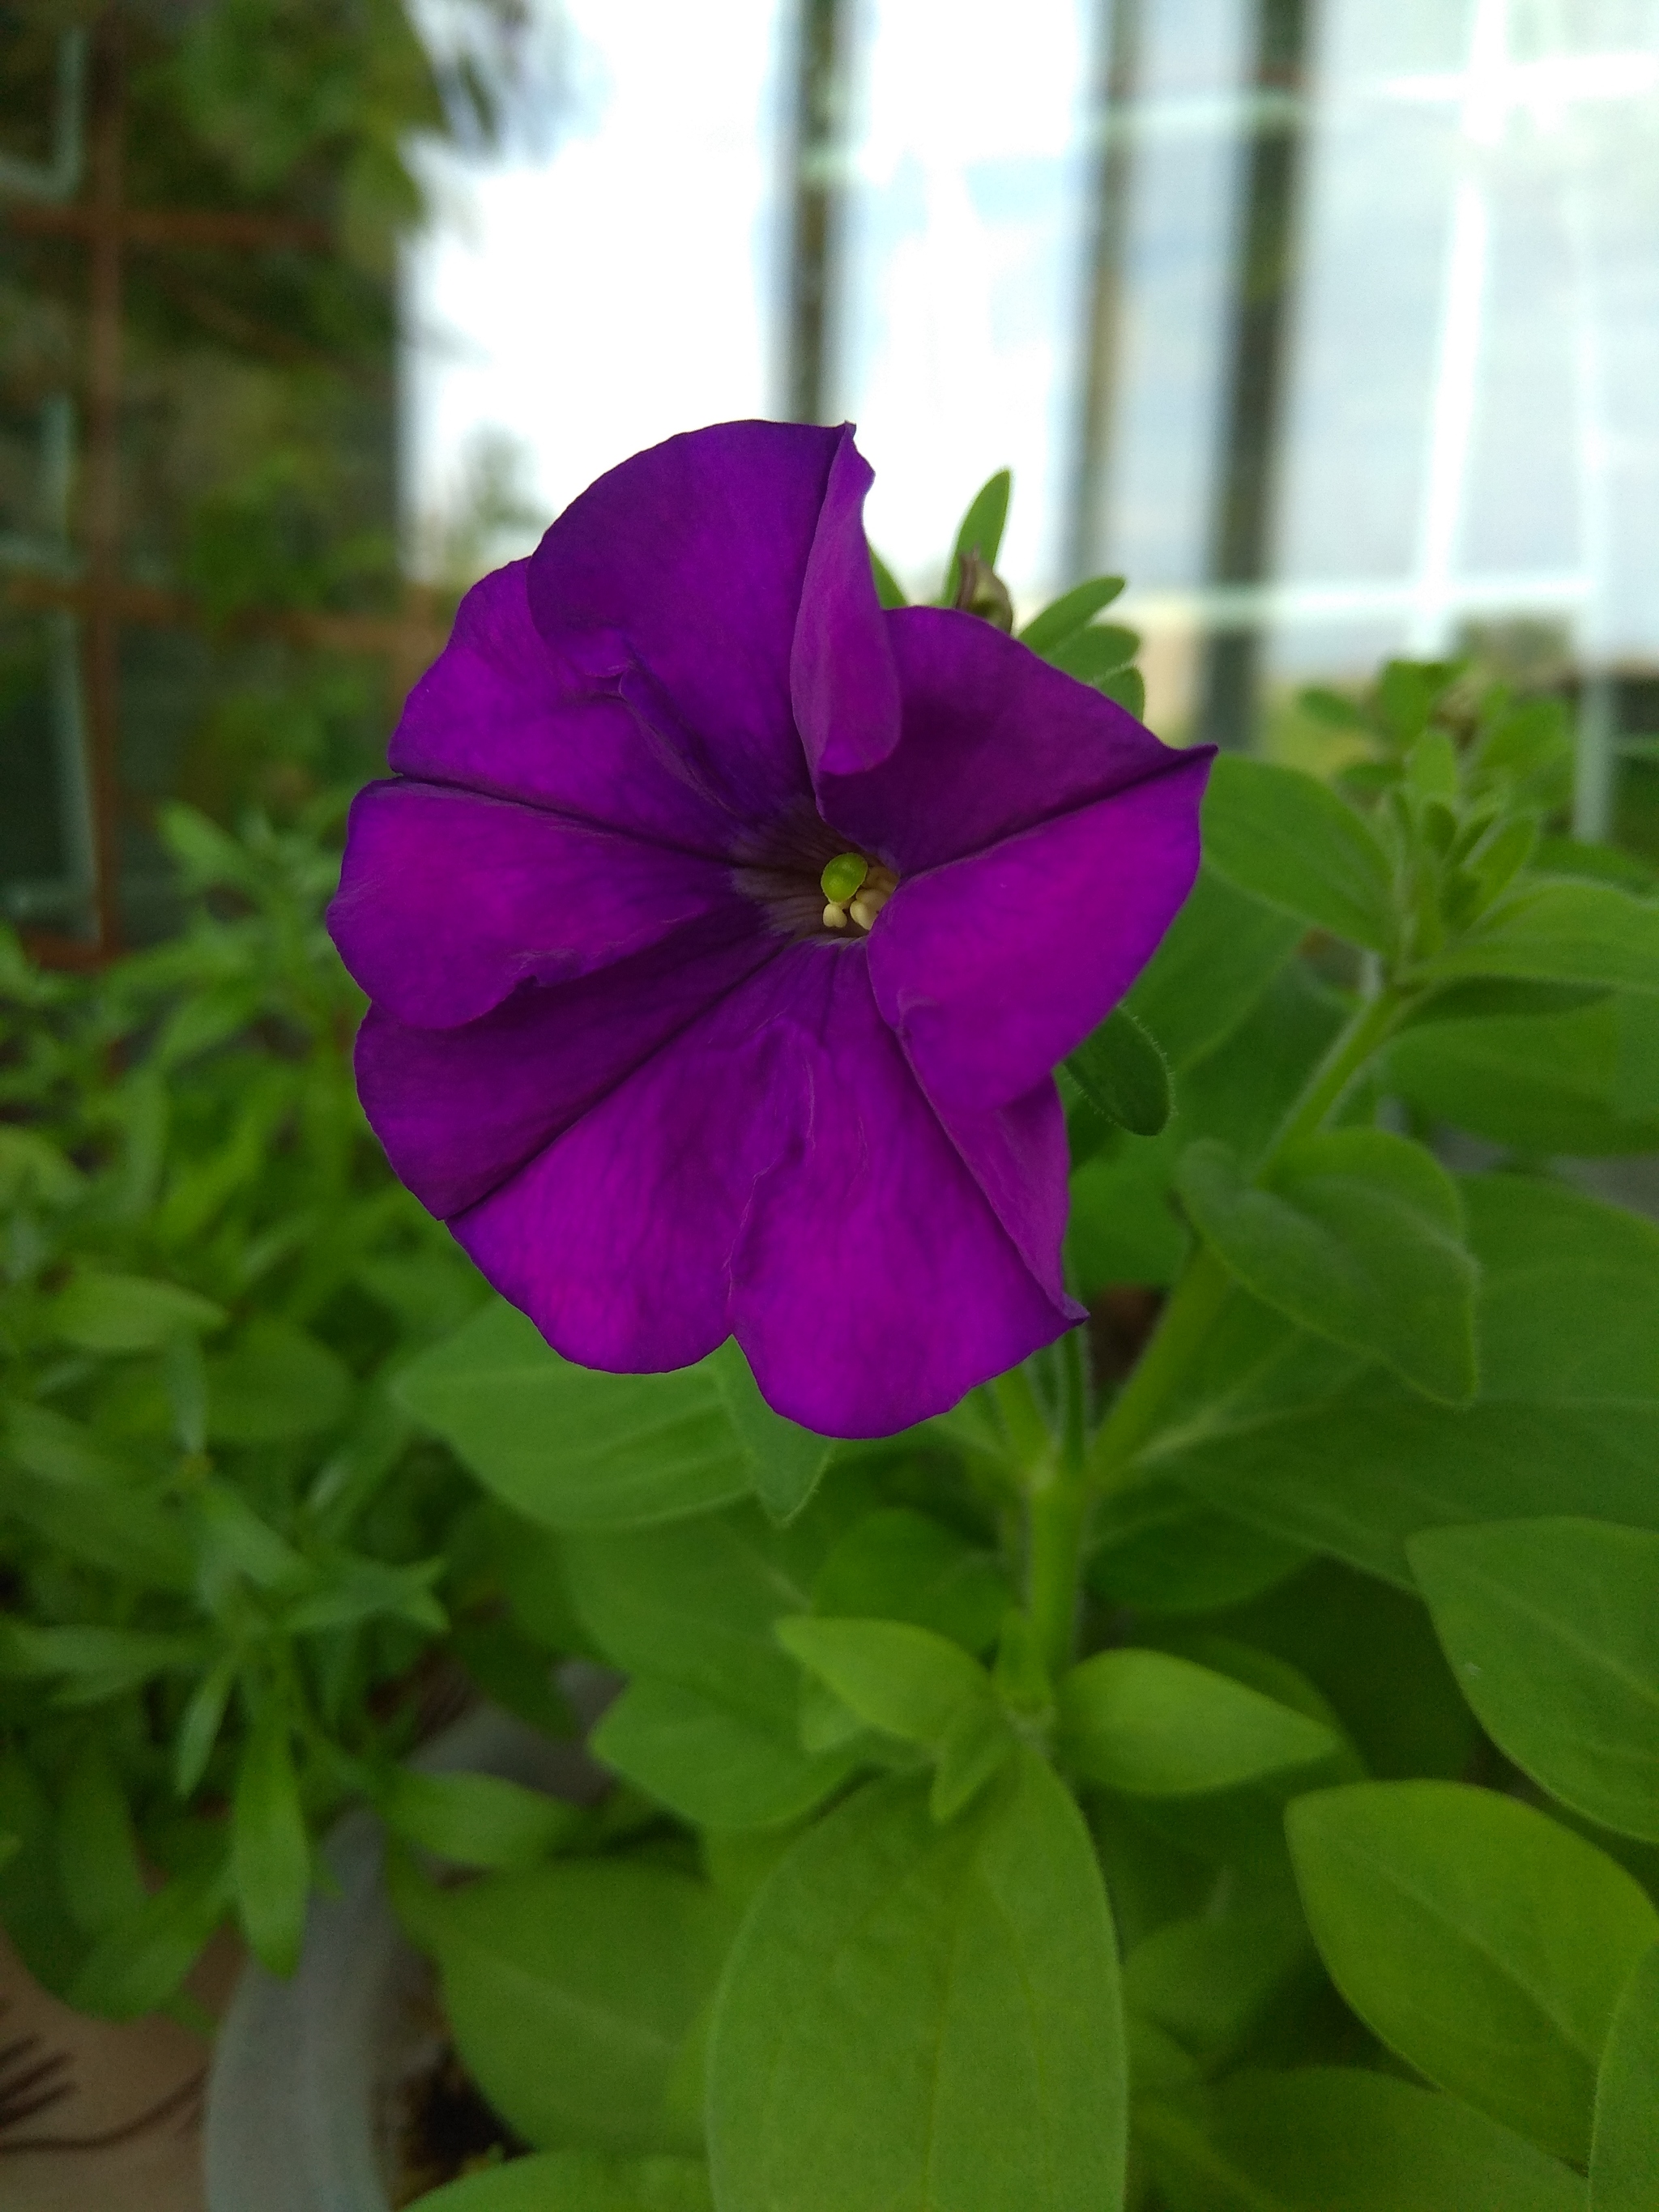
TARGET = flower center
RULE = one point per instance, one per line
(855, 890)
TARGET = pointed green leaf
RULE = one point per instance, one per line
(1285, 837)
(1287, 1431)
(138, 1964)
(1561, 931)
(1096, 653)
(1073, 611)
(917, 2014)
(98, 1860)
(789, 1461)
(889, 590)
(716, 1766)
(476, 1820)
(1358, 1238)
(980, 531)
(1123, 1074)
(566, 1446)
(269, 1852)
(1322, 2137)
(1217, 958)
(896, 1677)
(128, 1313)
(570, 1991)
(1552, 1630)
(1624, 2172)
(1484, 1943)
(904, 1565)
(1158, 1726)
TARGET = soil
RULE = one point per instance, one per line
(449, 2128)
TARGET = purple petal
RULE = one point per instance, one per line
(993, 741)
(842, 679)
(459, 1111)
(447, 900)
(499, 712)
(686, 563)
(875, 1284)
(1019, 1157)
(774, 1170)
(618, 1239)
(992, 970)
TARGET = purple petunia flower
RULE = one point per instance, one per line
(661, 1086)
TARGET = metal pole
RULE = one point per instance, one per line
(102, 510)
(1264, 258)
(1118, 77)
(815, 228)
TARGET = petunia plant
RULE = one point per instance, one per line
(1085, 1395)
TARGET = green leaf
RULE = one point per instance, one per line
(1096, 653)
(1358, 1237)
(788, 1460)
(98, 1859)
(1206, 1982)
(1161, 1550)
(128, 1313)
(578, 2181)
(1216, 959)
(269, 1852)
(1484, 1943)
(1561, 931)
(896, 1677)
(1158, 1726)
(1123, 1075)
(94, 1663)
(1543, 1084)
(566, 1446)
(31, 1903)
(1293, 1435)
(904, 1565)
(31, 1167)
(712, 1763)
(1553, 1629)
(980, 531)
(916, 2014)
(1324, 2137)
(1370, 1648)
(1073, 611)
(1286, 838)
(138, 1964)
(1624, 2171)
(276, 1382)
(888, 590)
(694, 1602)
(570, 1991)
(199, 1725)
(1128, 687)
(477, 1820)
(910, 1683)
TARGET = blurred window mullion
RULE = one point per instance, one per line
(1264, 274)
(1111, 121)
(817, 148)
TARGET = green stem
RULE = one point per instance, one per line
(1055, 1522)
(1368, 1027)
(1028, 1431)
(1184, 1325)
(1202, 1291)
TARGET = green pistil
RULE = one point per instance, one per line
(844, 877)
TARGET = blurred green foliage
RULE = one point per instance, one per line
(227, 1557)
